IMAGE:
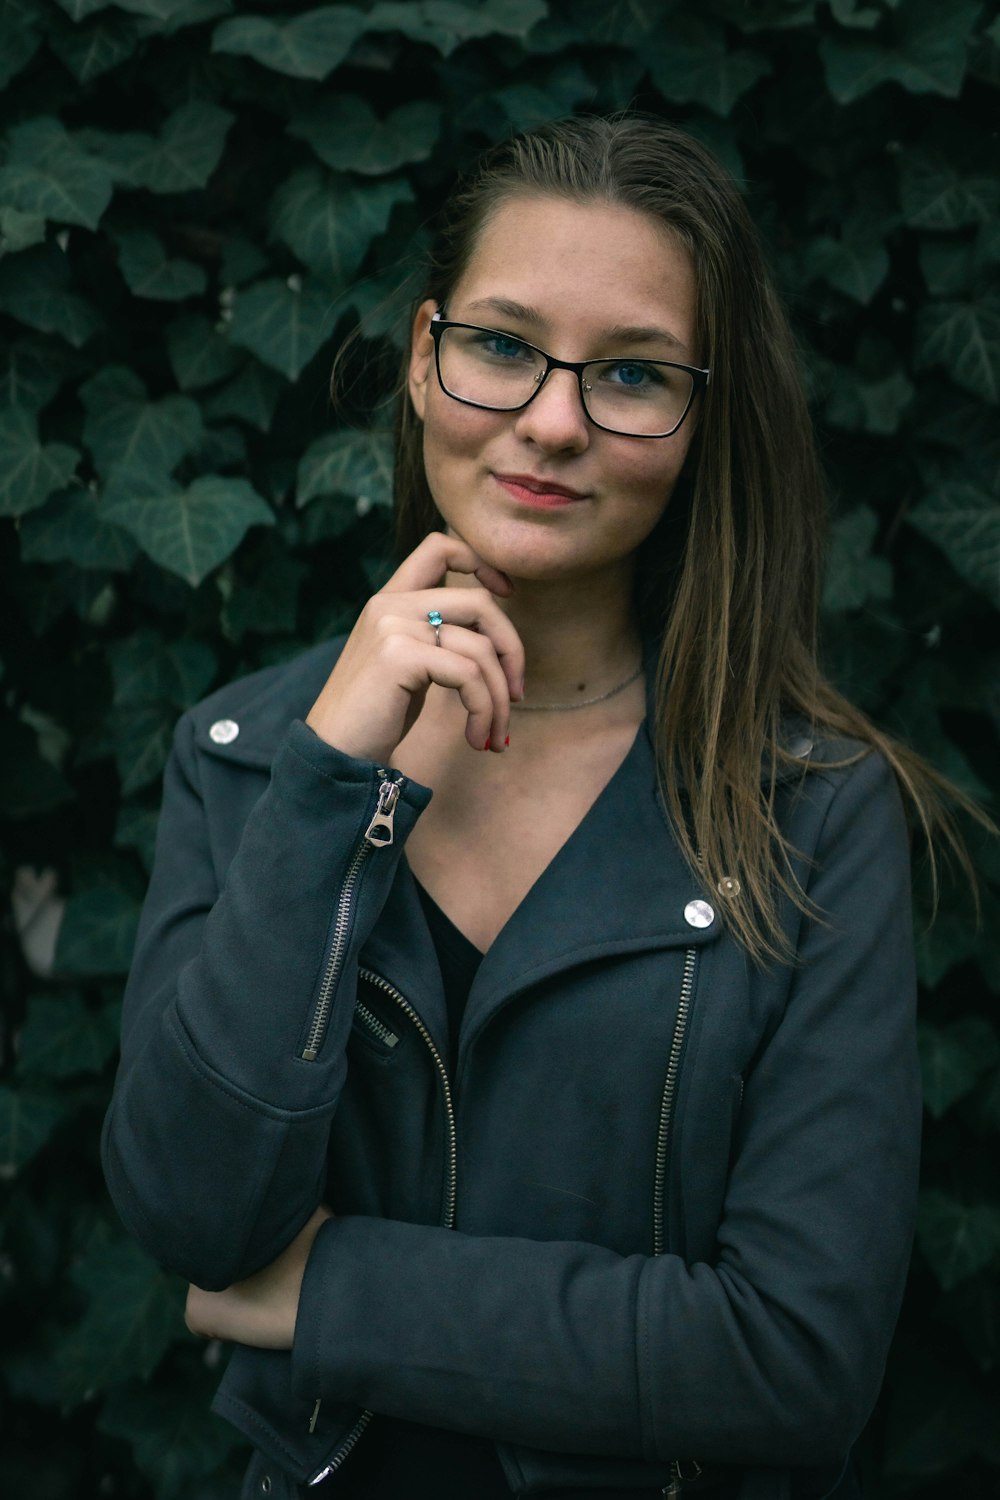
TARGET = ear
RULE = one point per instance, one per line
(421, 356)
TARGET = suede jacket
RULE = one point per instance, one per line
(651, 1227)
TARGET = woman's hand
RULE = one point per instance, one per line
(377, 689)
(261, 1310)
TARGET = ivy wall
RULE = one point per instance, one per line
(197, 203)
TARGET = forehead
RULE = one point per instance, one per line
(585, 263)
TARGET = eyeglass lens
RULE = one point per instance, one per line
(637, 397)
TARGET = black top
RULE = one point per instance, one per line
(397, 1458)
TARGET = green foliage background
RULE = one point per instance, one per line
(197, 202)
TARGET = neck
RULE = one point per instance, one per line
(580, 637)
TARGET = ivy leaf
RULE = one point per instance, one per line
(190, 532)
(18, 45)
(853, 574)
(136, 829)
(358, 464)
(19, 231)
(29, 470)
(47, 173)
(616, 23)
(936, 196)
(71, 527)
(691, 65)
(265, 598)
(964, 337)
(855, 266)
(98, 931)
(346, 134)
(180, 159)
(251, 396)
(952, 1059)
(29, 784)
(964, 522)
(200, 352)
(868, 405)
(129, 434)
(928, 55)
(34, 289)
(149, 272)
(956, 1238)
(92, 50)
(27, 1119)
(134, 1313)
(310, 46)
(330, 222)
(174, 1436)
(446, 24)
(146, 670)
(282, 322)
(62, 1036)
(31, 372)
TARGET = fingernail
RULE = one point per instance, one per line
(507, 740)
(487, 745)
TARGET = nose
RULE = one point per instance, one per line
(554, 419)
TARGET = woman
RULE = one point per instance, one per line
(567, 1121)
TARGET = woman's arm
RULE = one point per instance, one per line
(772, 1354)
(215, 1142)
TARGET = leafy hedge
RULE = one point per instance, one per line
(195, 207)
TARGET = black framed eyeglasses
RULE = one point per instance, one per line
(624, 394)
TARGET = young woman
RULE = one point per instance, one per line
(519, 1053)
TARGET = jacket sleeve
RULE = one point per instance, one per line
(214, 1145)
(774, 1353)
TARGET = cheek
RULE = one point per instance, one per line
(453, 435)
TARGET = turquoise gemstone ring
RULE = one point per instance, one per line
(434, 618)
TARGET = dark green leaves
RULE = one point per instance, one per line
(329, 222)
(964, 522)
(958, 1239)
(46, 173)
(953, 1058)
(128, 434)
(965, 338)
(283, 322)
(346, 134)
(190, 531)
(309, 46)
(927, 53)
(29, 470)
(180, 159)
(690, 62)
(358, 464)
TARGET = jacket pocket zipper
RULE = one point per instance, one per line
(451, 1186)
(371, 1023)
(378, 835)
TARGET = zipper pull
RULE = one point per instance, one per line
(315, 1414)
(678, 1478)
(379, 830)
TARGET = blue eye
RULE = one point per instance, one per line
(633, 374)
(502, 346)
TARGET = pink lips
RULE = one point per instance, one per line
(538, 492)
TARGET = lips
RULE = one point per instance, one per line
(538, 486)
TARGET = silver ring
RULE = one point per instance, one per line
(434, 618)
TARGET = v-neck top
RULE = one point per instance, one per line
(458, 958)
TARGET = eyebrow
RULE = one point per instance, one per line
(623, 333)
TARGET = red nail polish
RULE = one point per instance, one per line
(507, 740)
(487, 745)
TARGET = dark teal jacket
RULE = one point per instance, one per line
(662, 1208)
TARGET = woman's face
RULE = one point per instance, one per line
(581, 281)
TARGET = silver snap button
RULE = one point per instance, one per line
(800, 747)
(729, 886)
(265, 1484)
(223, 732)
(699, 914)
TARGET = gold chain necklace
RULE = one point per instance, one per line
(583, 702)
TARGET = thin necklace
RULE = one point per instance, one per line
(537, 708)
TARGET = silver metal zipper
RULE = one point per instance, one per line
(667, 1102)
(672, 1490)
(378, 835)
(374, 1025)
(448, 1218)
(451, 1190)
(345, 1447)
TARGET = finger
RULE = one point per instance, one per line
(439, 554)
(477, 610)
(453, 669)
(478, 648)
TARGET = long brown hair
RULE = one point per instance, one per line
(737, 634)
